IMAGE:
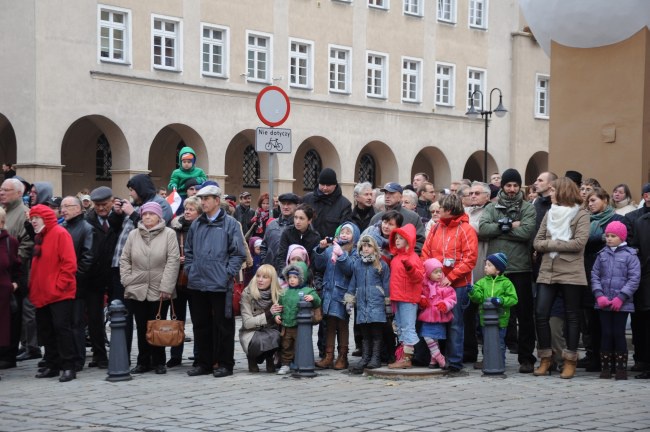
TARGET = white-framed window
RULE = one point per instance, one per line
(475, 81)
(113, 34)
(411, 79)
(340, 69)
(478, 13)
(447, 11)
(380, 4)
(214, 50)
(258, 57)
(166, 43)
(541, 96)
(414, 7)
(445, 83)
(376, 74)
(301, 63)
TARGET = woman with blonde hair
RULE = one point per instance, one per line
(259, 334)
(562, 238)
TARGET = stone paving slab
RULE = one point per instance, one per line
(332, 401)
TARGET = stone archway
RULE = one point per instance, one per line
(162, 153)
(474, 167)
(537, 164)
(8, 143)
(234, 166)
(85, 164)
(384, 164)
(432, 161)
(327, 155)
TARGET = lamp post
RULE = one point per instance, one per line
(473, 113)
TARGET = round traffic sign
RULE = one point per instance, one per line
(272, 106)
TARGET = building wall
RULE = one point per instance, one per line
(70, 97)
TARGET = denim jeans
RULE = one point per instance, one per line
(456, 329)
(405, 316)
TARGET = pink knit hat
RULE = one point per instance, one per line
(152, 207)
(617, 228)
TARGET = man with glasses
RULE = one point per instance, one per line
(106, 227)
(11, 198)
(82, 239)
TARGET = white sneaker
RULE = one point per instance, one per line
(284, 370)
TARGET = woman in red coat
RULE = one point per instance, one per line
(453, 242)
(52, 289)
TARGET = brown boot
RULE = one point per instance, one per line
(328, 361)
(570, 364)
(342, 359)
(252, 365)
(405, 361)
(545, 362)
(621, 366)
(605, 365)
(270, 363)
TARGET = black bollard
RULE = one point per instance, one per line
(304, 352)
(118, 358)
(493, 364)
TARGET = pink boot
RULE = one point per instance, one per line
(440, 359)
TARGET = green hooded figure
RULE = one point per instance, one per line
(187, 170)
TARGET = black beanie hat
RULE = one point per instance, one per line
(575, 176)
(510, 175)
(327, 177)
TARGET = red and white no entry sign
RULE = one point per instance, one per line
(272, 106)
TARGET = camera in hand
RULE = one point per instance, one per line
(329, 240)
(505, 224)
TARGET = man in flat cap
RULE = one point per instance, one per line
(243, 212)
(275, 228)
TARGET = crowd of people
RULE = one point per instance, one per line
(562, 260)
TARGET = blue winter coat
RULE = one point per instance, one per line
(335, 279)
(616, 274)
(371, 289)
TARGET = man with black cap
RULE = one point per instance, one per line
(271, 242)
(106, 225)
(509, 225)
(243, 212)
(329, 204)
(638, 222)
(393, 201)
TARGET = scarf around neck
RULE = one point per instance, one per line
(512, 205)
(599, 221)
(558, 223)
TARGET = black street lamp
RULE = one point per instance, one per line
(473, 113)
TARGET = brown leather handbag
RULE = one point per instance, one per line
(165, 333)
(181, 282)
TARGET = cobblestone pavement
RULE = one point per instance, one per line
(332, 401)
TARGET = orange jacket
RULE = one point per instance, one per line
(453, 238)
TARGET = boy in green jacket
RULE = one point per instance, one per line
(296, 275)
(186, 171)
(497, 289)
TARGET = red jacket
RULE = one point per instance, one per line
(52, 278)
(453, 238)
(406, 269)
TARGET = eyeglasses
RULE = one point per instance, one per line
(69, 205)
(477, 193)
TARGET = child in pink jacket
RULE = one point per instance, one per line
(436, 304)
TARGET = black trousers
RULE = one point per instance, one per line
(524, 312)
(214, 334)
(8, 353)
(54, 327)
(117, 293)
(94, 298)
(79, 330)
(613, 331)
(641, 337)
(545, 297)
(143, 311)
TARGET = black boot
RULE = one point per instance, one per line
(270, 362)
(252, 365)
(366, 354)
(605, 365)
(621, 366)
(375, 359)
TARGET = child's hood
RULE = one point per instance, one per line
(369, 239)
(355, 231)
(430, 265)
(408, 232)
(183, 151)
(251, 243)
(296, 249)
(300, 268)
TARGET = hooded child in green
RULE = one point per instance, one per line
(291, 295)
(187, 170)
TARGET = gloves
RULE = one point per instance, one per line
(496, 301)
(349, 307)
(616, 304)
(442, 307)
(423, 303)
(603, 302)
(407, 265)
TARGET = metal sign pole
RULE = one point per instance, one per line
(271, 201)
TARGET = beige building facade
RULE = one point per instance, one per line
(94, 92)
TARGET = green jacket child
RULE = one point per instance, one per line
(496, 288)
(290, 298)
(186, 171)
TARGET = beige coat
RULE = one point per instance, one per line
(252, 318)
(568, 267)
(149, 263)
